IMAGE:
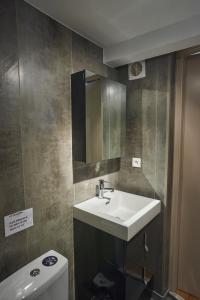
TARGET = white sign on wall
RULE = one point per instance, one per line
(18, 221)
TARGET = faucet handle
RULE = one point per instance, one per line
(104, 181)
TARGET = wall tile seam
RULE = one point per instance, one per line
(20, 121)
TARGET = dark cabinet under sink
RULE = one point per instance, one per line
(108, 268)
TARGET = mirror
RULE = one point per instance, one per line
(98, 117)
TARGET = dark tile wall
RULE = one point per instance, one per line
(45, 67)
(149, 113)
(37, 56)
(11, 171)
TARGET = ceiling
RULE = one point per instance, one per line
(129, 30)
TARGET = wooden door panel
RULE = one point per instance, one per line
(189, 252)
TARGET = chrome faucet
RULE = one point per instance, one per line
(101, 189)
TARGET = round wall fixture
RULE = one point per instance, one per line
(136, 68)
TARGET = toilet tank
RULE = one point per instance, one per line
(45, 278)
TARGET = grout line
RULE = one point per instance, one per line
(20, 124)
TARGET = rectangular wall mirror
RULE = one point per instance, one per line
(98, 117)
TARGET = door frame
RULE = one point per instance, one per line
(176, 204)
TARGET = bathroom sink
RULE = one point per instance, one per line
(124, 216)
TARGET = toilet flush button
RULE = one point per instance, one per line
(35, 272)
(49, 261)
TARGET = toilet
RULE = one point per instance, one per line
(45, 278)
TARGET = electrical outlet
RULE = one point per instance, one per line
(136, 162)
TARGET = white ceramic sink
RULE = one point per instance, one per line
(123, 217)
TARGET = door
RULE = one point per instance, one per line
(189, 246)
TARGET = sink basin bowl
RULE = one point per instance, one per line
(123, 217)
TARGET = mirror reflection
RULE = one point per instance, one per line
(99, 123)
